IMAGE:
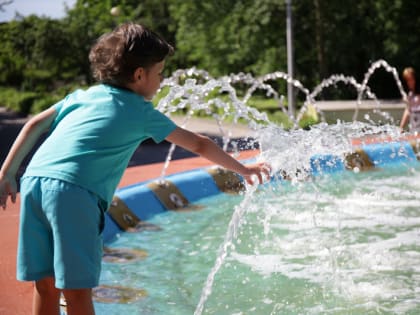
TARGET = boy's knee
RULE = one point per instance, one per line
(77, 294)
(46, 286)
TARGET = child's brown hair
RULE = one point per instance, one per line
(116, 55)
(410, 72)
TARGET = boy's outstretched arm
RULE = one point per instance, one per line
(23, 144)
(206, 148)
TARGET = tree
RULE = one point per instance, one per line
(230, 36)
(223, 36)
(33, 53)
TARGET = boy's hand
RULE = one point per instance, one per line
(8, 188)
(260, 170)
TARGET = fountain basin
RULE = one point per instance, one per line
(345, 241)
(139, 202)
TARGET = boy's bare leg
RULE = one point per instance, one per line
(46, 299)
(79, 301)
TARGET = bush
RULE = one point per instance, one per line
(280, 119)
(45, 102)
(32, 102)
(309, 118)
(17, 101)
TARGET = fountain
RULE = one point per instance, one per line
(322, 152)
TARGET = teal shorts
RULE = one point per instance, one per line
(60, 233)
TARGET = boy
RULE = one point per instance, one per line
(70, 180)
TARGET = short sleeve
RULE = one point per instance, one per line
(62, 107)
(58, 106)
(158, 126)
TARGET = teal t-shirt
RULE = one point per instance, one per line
(94, 136)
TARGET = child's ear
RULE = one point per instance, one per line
(138, 74)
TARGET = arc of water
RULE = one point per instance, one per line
(193, 96)
(189, 89)
(185, 74)
(332, 80)
(231, 234)
(364, 87)
(260, 83)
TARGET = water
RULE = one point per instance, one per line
(347, 244)
(195, 91)
(341, 244)
(190, 89)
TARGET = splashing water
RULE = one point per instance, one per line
(336, 244)
(231, 234)
(278, 146)
(193, 91)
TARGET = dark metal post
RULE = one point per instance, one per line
(289, 36)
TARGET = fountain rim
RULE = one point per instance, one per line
(141, 201)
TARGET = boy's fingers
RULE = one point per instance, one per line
(260, 178)
(266, 168)
(250, 180)
(260, 171)
(266, 171)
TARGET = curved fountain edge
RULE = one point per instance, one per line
(141, 202)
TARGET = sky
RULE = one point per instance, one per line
(49, 8)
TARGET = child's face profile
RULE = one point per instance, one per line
(150, 80)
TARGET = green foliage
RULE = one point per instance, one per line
(230, 36)
(39, 55)
(32, 102)
(280, 118)
(34, 53)
(45, 102)
(20, 102)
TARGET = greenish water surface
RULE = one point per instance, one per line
(347, 244)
